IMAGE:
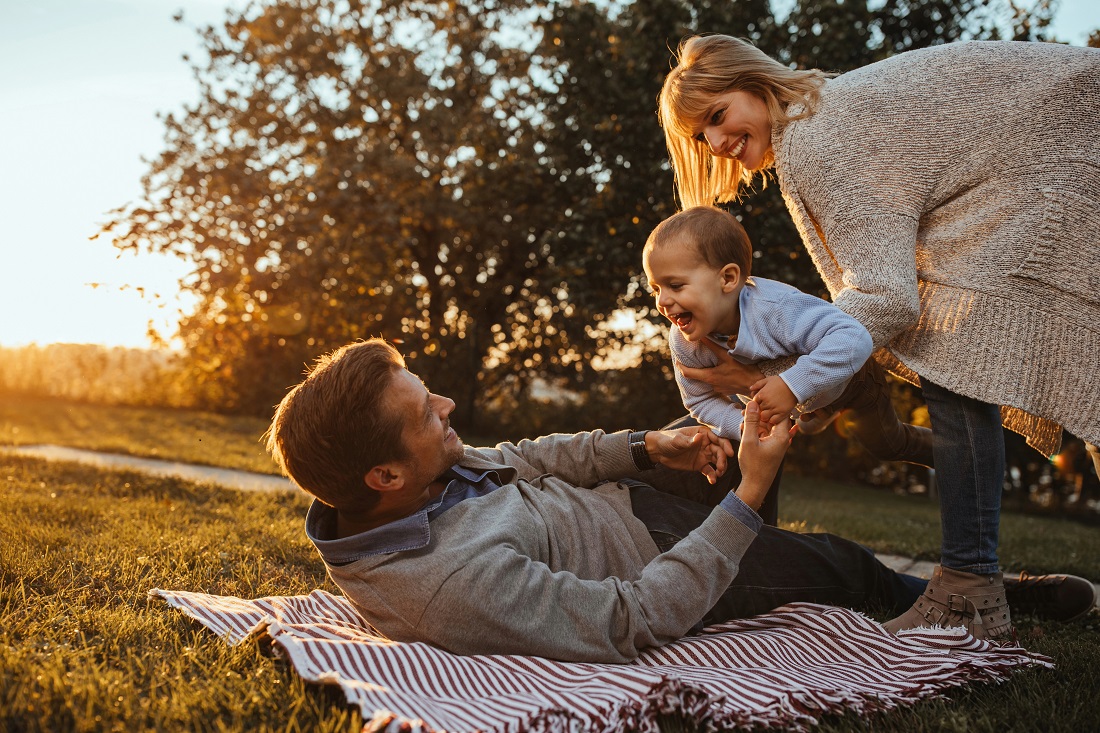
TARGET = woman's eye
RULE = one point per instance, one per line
(701, 137)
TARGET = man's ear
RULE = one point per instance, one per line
(731, 275)
(387, 477)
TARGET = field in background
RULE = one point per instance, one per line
(180, 435)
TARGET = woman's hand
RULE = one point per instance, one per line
(694, 448)
(729, 377)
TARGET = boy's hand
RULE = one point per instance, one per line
(694, 448)
(775, 398)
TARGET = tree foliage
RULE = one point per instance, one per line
(471, 178)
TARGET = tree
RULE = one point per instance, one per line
(473, 178)
(351, 169)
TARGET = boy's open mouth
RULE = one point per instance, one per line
(681, 319)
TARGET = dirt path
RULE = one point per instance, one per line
(230, 478)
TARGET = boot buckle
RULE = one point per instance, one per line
(938, 615)
(963, 603)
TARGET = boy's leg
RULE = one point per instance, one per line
(783, 567)
(876, 426)
(694, 486)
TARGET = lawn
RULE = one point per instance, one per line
(81, 647)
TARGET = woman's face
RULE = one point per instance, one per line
(738, 126)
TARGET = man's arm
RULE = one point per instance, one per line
(588, 459)
(582, 459)
(506, 603)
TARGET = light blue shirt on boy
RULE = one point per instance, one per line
(777, 320)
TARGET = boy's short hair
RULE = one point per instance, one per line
(331, 429)
(715, 234)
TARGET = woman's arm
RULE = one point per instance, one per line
(728, 377)
(877, 256)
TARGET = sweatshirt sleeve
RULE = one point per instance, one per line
(710, 408)
(582, 459)
(521, 606)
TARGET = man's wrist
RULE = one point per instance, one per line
(638, 452)
(753, 490)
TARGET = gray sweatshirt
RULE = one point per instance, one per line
(553, 563)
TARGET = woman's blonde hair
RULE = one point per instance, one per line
(707, 66)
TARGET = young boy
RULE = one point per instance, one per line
(698, 263)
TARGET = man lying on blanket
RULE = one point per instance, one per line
(549, 547)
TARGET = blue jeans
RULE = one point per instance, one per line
(782, 567)
(969, 449)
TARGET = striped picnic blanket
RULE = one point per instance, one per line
(783, 669)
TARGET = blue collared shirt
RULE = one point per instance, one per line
(407, 533)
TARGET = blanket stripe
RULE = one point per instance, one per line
(784, 669)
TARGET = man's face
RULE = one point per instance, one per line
(432, 445)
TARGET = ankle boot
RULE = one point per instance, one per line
(875, 425)
(954, 598)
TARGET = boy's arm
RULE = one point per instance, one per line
(832, 344)
(701, 400)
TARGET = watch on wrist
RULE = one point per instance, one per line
(638, 453)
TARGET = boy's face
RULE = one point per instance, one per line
(699, 299)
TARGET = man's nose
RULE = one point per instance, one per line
(445, 405)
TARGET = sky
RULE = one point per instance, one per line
(81, 85)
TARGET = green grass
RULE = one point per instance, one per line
(82, 648)
(910, 526)
(182, 435)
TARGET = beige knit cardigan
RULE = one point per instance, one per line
(950, 199)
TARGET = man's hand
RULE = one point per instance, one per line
(775, 398)
(729, 377)
(762, 449)
(693, 448)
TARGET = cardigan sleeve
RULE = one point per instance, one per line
(877, 256)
